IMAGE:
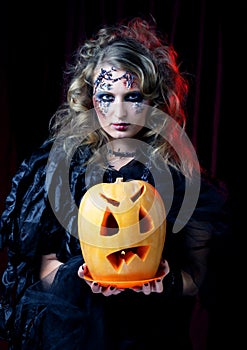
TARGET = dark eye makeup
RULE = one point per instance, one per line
(133, 96)
(105, 97)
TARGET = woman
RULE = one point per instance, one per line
(124, 118)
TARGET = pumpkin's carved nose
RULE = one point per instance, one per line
(118, 258)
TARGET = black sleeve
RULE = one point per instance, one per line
(194, 247)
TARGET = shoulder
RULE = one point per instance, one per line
(37, 160)
(29, 170)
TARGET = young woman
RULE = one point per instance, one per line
(124, 118)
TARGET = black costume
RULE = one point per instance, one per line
(66, 314)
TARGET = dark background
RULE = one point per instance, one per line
(39, 38)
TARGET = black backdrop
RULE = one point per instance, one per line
(37, 40)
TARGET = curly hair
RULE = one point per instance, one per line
(139, 48)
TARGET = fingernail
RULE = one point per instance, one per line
(159, 280)
(112, 288)
(95, 283)
(146, 284)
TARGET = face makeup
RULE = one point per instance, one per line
(118, 102)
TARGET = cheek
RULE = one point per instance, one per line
(138, 112)
(138, 107)
(100, 114)
(102, 108)
(101, 119)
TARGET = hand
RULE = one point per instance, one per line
(156, 285)
(146, 288)
(95, 286)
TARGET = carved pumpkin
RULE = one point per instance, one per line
(122, 230)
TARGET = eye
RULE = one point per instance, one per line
(103, 97)
(134, 96)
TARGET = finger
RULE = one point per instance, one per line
(146, 288)
(81, 272)
(96, 288)
(136, 289)
(158, 286)
(163, 263)
(117, 291)
(109, 291)
(165, 266)
(85, 268)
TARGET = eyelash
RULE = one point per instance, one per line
(132, 97)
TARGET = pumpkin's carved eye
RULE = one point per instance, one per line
(137, 194)
(109, 225)
(145, 221)
(110, 200)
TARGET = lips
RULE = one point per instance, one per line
(120, 126)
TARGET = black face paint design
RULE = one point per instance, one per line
(107, 75)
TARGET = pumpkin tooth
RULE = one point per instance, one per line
(142, 251)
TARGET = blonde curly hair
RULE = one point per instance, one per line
(139, 48)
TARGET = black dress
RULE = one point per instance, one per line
(41, 218)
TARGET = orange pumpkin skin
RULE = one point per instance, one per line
(122, 230)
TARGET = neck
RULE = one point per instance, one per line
(122, 148)
(120, 154)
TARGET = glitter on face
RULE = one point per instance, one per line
(138, 106)
(103, 106)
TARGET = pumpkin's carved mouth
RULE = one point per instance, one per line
(118, 258)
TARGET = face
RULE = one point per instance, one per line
(118, 102)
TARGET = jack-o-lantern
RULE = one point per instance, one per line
(122, 231)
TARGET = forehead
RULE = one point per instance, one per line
(108, 77)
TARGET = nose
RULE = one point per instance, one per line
(120, 110)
